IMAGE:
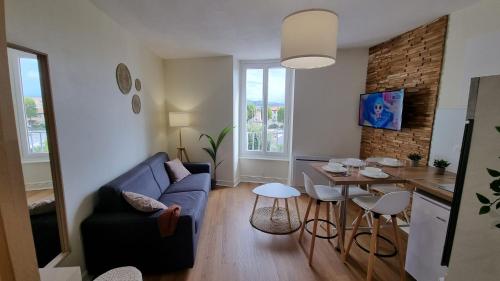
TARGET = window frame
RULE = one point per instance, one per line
(265, 65)
(18, 99)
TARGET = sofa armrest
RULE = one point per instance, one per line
(198, 168)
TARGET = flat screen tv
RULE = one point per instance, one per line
(381, 110)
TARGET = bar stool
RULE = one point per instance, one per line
(322, 194)
(388, 188)
(389, 204)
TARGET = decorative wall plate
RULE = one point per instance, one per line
(138, 85)
(123, 78)
(136, 104)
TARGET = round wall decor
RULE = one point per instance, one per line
(123, 78)
(138, 84)
(136, 104)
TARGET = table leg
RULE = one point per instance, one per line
(343, 212)
(288, 213)
(272, 211)
(297, 208)
(254, 205)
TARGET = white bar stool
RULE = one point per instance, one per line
(389, 204)
(322, 194)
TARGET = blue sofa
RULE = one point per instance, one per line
(118, 235)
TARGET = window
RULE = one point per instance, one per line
(265, 109)
(28, 105)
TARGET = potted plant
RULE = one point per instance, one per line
(441, 165)
(214, 147)
(415, 158)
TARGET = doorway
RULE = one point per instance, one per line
(35, 124)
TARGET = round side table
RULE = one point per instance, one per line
(275, 220)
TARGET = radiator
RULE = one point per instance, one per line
(302, 164)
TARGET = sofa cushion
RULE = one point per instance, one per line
(192, 204)
(157, 164)
(177, 170)
(138, 180)
(193, 182)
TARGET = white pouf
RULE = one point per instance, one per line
(126, 273)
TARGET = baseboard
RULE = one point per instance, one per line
(225, 183)
(39, 185)
(257, 179)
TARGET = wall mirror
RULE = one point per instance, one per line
(37, 138)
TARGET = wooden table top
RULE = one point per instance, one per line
(355, 178)
(423, 178)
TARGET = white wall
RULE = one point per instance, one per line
(37, 175)
(472, 45)
(325, 114)
(236, 122)
(204, 88)
(99, 136)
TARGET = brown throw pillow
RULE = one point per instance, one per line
(177, 170)
(142, 203)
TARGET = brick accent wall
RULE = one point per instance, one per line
(413, 61)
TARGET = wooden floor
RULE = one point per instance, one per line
(230, 249)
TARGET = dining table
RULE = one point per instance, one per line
(424, 178)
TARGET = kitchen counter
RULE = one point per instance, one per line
(424, 178)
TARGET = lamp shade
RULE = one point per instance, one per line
(309, 39)
(178, 119)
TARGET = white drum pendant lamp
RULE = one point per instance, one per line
(309, 39)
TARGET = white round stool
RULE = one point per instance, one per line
(126, 273)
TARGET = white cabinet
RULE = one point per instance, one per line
(429, 221)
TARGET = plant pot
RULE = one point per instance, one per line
(213, 183)
(440, 171)
(414, 163)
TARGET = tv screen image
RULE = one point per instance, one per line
(381, 110)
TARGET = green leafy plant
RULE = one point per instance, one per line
(415, 156)
(486, 202)
(214, 147)
(441, 163)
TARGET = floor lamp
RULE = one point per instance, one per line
(179, 119)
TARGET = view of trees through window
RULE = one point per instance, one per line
(36, 133)
(265, 130)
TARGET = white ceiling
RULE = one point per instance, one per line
(250, 29)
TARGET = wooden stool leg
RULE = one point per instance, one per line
(328, 219)
(297, 208)
(398, 247)
(186, 154)
(359, 217)
(288, 213)
(315, 228)
(272, 211)
(254, 205)
(373, 243)
(340, 241)
(305, 218)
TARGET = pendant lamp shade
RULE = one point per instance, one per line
(309, 39)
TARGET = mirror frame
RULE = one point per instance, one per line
(55, 164)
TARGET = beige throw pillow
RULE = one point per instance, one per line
(177, 170)
(142, 203)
